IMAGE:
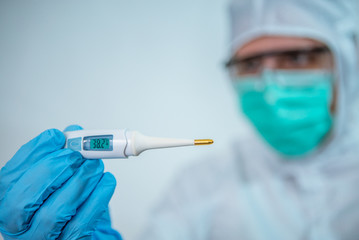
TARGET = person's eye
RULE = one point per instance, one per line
(299, 59)
(250, 66)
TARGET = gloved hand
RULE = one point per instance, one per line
(47, 192)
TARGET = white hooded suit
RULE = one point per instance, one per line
(250, 192)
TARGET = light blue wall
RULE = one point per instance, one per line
(154, 66)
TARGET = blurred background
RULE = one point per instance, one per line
(152, 66)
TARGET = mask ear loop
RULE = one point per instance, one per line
(333, 99)
(333, 106)
(335, 85)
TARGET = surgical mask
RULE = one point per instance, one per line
(289, 108)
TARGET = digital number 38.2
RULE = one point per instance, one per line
(99, 143)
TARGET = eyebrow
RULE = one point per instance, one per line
(236, 60)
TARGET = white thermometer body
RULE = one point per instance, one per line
(95, 144)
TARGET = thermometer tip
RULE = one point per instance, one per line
(203, 141)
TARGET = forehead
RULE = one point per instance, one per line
(276, 43)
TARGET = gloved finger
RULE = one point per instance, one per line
(83, 224)
(62, 205)
(104, 230)
(73, 128)
(47, 142)
(28, 194)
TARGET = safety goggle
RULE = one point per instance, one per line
(299, 59)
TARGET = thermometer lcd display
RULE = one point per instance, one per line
(98, 143)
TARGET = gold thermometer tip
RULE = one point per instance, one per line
(203, 141)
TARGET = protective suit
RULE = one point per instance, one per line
(250, 192)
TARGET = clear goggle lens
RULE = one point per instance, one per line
(318, 58)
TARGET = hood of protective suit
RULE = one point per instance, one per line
(332, 22)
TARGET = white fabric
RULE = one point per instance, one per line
(223, 198)
(249, 192)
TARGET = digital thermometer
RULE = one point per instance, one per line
(95, 144)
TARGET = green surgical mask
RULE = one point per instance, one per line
(290, 109)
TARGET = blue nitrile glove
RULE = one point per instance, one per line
(47, 192)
